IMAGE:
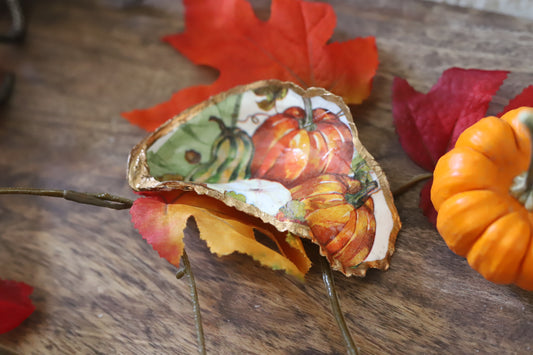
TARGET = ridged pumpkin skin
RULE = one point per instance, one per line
(326, 190)
(345, 233)
(288, 152)
(477, 216)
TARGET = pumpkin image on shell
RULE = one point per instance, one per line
(286, 155)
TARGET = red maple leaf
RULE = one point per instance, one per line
(291, 46)
(428, 125)
(525, 98)
(15, 304)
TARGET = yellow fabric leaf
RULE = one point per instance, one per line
(161, 219)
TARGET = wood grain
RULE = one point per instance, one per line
(101, 289)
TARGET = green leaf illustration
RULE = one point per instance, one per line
(272, 93)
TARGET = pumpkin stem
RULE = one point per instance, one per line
(522, 186)
(308, 123)
(359, 198)
(223, 128)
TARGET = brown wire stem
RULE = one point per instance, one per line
(95, 199)
(329, 283)
(195, 303)
(181, 272)
(409, 184)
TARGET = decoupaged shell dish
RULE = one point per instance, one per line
(286, 155)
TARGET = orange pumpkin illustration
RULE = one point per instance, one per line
(298, 144)
(340, 213)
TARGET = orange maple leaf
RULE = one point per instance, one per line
(290, 46)
(161, 219)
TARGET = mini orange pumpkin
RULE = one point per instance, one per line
(483, 193)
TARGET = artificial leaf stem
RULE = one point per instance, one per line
(95, 199)
(327, 277)
(195, 303)
(181, 272)
(415, 180)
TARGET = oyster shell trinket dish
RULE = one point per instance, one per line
(286, 155)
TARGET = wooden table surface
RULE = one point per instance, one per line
(101, 289)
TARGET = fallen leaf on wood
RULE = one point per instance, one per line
(15, 304)
(429, 124)
(162, 217)
(525, 98)
(291, 46)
